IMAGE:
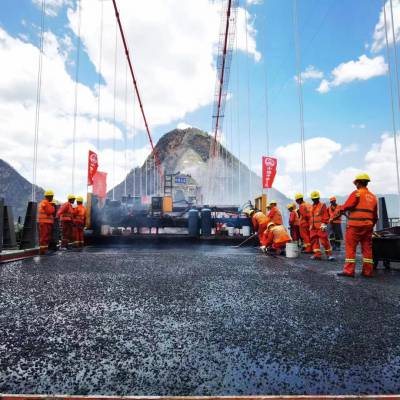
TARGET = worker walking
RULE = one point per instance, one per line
(362, 208)
(65, 213)
(304, 221)
(79, 219)
(319, 228)
(260, 223)
(276, 237)
(294, 222)
(46, 221)
(335, 223)
(275, 214)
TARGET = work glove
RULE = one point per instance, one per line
(324, 227)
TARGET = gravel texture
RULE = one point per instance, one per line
(204, 320)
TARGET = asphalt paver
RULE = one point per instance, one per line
(195, 320)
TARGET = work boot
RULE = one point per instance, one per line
(263, 249)
(344, 274)
(314, 257)
(331, 258)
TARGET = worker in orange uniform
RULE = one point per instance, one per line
(260, 223)
(362, 208)
(46, 221)
(65, 213)
(79, 219)
(304, 221)
(335, 223)
(276, 237)
(294, 222)
(274, 214)
(319, 228)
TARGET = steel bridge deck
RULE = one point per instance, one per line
(195, 320)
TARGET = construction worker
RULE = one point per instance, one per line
(319, 228)
(335, 223)
(294, 222)
(304, 221)
(65, 213)
(362, 208)
(79, 219)
(274, 214)
(276, 237)
(260, 223)
(46, 221)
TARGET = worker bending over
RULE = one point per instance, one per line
(294, 222)
(260, 223)
(274, 215)
(46, 221)
(335, 223)
(362, 208)
(65, 213)
(79, 219)
(304, 221)
(319, 228)
(276, 237)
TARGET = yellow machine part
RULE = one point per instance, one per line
(167, 204)
(261, 203)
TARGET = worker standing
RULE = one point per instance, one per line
(335, 223)
(260, 223)
(276, 237)
(79, 219)
(319, 228)
(294, 222)
(46, 221)
(65, 213)
(304, 221)
(275, 214)
(362, 208)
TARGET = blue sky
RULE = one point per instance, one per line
(345, 123)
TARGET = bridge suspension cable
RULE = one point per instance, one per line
(100, 68)
(114, 106)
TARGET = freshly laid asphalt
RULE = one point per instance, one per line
(195, 320)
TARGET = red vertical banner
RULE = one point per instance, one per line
(100, 184)
(93, 165)
(269, 166)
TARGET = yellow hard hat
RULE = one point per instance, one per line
(362, 177)
(79, 199)
(273, 202)
(289, 206)
(315, 195)
(71, 196)
(48, 193)
(298, 196)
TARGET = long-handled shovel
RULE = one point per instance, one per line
(245, 241)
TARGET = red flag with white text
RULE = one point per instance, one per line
(269, 166)
(100, 184)
(93, 165)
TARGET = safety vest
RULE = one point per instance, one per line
(305, 214)
(364, 213)
(258, 219)
(294, 219)
(79, 214)
(66, 212)
(280, 234)
(334, 214)
(275, 216)
(45, 212)
(319, 215)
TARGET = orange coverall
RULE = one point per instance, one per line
(79, 218)
(335, 219)
(319, 216)
(294, 224)
(363, 215)
(305, 215)
(260, 222)
(65, 213)
(277, 237)
(275, 216)
(46, 221)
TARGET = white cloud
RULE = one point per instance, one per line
(361, 70)
(52, 7)
(254, 2)
(287, 185)
(310, 73)
(358, 126)
(351, 148)
(319, 151)
(183, 126)
(379, 41)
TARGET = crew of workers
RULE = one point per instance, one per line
(319, 227)
(72, 221)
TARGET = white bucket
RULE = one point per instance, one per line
(246, 231)
(292, 250)
(231, 230)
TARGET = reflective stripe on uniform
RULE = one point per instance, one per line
(317, 250)
(368, 261)
(350, 260)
